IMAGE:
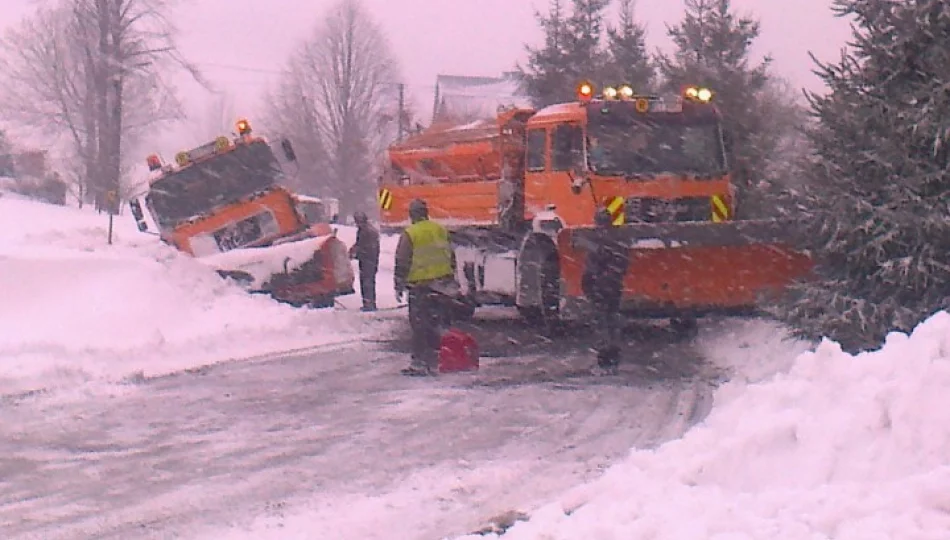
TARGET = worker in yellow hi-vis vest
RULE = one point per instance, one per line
(425, 268)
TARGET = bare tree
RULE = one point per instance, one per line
(293, 113)
(93, 71)
(216, 118)
(337, 101)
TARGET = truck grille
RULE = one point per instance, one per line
(654, 210)
(238, 234)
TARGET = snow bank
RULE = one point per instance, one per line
(840, 446)
(75, 309)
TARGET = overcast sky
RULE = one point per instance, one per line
(241, 44)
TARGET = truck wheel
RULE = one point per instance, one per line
(539, 283)
(546, 316)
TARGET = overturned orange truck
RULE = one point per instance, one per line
(223, 203)
(519, 193)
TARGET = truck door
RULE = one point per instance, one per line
(567, 165)
(536, 165)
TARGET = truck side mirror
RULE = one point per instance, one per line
(578, 179)
(139, 216)
(288, 149)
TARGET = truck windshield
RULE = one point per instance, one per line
(649, 147)
(204, 186)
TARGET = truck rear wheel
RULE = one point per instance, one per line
(540, 271)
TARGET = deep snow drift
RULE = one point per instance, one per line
(845, 447)
(75, 309)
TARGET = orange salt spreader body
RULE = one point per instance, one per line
(519, 193)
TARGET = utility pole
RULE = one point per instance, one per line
(112, 198)
(435, 102)
(402, 109)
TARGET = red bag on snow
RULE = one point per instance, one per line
(458, 352)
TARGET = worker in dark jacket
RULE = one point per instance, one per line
(602, 283)
(366, 252)
(425, 267)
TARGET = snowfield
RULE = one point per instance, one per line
(844, 447)
(75, 309)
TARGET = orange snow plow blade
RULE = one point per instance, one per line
(318, 281)
(306, 271)
(695, 267)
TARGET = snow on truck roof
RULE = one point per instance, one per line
(559, 109)
(309, 198)
(482, 122)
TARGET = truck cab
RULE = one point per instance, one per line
(647, 159)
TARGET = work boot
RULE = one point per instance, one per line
(604, 369)
(367, 309)
(607, 361)
(416, 371)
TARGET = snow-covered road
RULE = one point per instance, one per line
(113, 425)
(339, 434)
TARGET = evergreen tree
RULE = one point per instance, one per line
(629, 62)
(548, 76)
(712, 50)
(878, 203)
(573, 51)
(787, 150)
(586, 57)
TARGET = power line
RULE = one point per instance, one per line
(242, 68)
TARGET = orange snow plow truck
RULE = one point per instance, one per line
(223, 204)
(519, 193)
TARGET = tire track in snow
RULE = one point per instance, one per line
(339, 435)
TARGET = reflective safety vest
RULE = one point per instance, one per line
(431, 252)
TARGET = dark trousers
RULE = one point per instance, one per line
(607, 327)
(429, 317)
(368, 285)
